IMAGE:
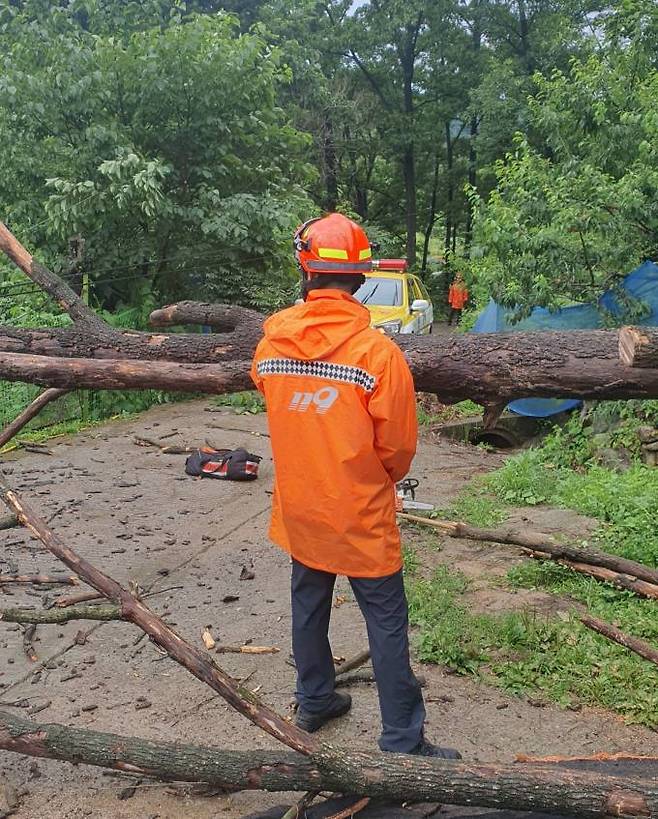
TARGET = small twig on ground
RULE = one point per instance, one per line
(164, 448)
(28, 648)
(41, 579)
(356, 661)
(247, 650)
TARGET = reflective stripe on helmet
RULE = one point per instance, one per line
(365, 254)
(338, 267)
(332, 253)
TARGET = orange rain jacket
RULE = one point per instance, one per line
(457, 296)
(342, 417)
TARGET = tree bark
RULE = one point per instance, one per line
(622, 581)
(40, 579)
(55, 615)
(28, 414)
(648, 652)
(488, 368)
(222, 318)
(544, 546)
(395, 777)
(638, 346)
(129, 374)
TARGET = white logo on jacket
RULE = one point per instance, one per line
(322, 400)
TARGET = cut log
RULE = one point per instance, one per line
(396, 777)
(29, 413)
(641, 647)
(491, 369)
(135, 611)
(61, 615)
(638, 346)
(542, 544)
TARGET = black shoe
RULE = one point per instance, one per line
(312, 722)
(425, 748)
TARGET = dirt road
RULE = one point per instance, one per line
(133, 512)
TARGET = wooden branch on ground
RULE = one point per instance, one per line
(354, 662)
(641, 647)
(29, 413)
(394, 777)
(542, 544)
(166, 449)
(74, 599)
(638, 346)
(135, 611)
(55, 615)
(621, 581)
(40, 579)
(28, 648)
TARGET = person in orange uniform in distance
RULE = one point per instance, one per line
(342, 419)
(457, 298)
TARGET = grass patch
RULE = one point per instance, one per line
(474, 506)
(448, 412)
(249, 402)
(527, 654)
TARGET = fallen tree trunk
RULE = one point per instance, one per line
(542, 544)
(491, 369)
(395, 777)
(29, 413)
(641, 647)
(119, 374)
(638, 346)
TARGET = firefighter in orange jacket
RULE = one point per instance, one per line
(457, 298)
(342, 418)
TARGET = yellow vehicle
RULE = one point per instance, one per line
(398, 301)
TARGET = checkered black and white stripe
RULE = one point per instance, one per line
(344, 373)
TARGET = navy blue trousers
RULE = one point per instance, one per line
(384, 606)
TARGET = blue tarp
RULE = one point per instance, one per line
(641, 284)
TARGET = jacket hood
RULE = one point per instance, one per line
(315, 329)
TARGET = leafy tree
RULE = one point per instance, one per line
(567, 218)
(166, 149)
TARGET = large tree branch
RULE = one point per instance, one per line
(51, 284)
(394, 777)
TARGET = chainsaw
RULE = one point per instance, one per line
(405, 500)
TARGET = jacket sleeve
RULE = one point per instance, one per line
(392, 408)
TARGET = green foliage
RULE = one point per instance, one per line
(528, 654)
(242, 403)
(474, 506)
(165, 148)
(575, 202)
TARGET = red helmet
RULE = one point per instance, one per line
(332, 244)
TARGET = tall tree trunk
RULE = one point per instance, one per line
(330, 166)
(450, 196)
(409, 175)
(476, 41)
(431, 216)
